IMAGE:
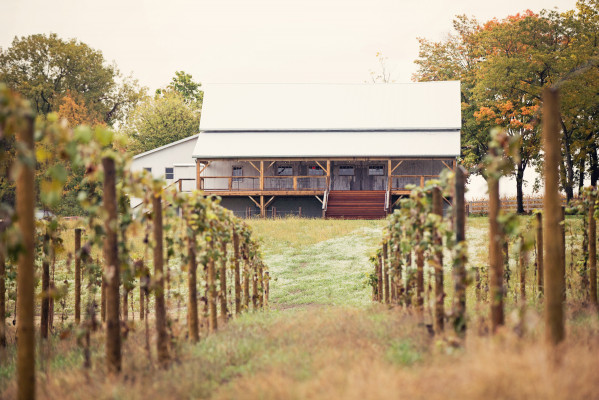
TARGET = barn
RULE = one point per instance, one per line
(324, 150)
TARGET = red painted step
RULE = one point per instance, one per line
(356, 204)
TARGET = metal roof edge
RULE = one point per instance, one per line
(165, 146)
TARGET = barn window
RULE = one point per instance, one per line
(285, 170)
(315, 170)
(376, 170)
(149, 169)
(237, 171)
(169, 173)
(346, 170)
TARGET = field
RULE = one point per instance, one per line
(324, 338)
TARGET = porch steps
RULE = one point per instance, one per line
(356, 204)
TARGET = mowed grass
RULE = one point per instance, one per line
(318, 262)
(324, 339)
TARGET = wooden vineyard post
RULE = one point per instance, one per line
(592, 250)
(141, 299)
(2, 293)
(211, 295)
(438, 264)
(77, 276)
(540, 253)
(25, 204)
(409, 280)
(103, 286)
(237, 273)
(379, 275)
(419, 279)
(385, 273)
(393, 274)
(193, 291)
(223, 283)
(246, 278)
(459, 322)
(159, 305)
(496, 258)
(398, 276)
(254, 270)
(260, 286)
(554, 276)
(111, 270)
(563, 246)
(45, 307)
(266, 288)
(522, 269)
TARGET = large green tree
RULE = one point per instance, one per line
(46, 68)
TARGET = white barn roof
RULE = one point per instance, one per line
(330, 120)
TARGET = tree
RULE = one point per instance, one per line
(160, 121)
(46, 68)
(184, 84)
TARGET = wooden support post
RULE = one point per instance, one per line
(379, 275)
(385, 274)
(419, 280)
(198, 175)
(237, 273)
(295, 183)
(389, 179)
(262, 207)
(77, 275)
(159, 304)
(2, 292)
(422, 181)
(522, 260)
(328, 174)
(111, 270)
(254, 273)
(495, 257)
(192, 310)
(266, 288)
(211, 282)
(25, 204)
(592, 251)
(180, 185)
(223, 283)
(261, 176)
(562, 227)
(540, 268)
(45, 307)
(438, 264)
(460, 276)
(554, 276)
(246, 278)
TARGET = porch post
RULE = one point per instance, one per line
(198, 174)
(261, 176)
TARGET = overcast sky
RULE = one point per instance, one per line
(253, 40)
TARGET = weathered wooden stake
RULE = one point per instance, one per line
(112, 274)
(562, 227)
(592, 251)
(25, 195)
(45, 308)
(522, 260)
(211, 282)
(419, 279)
(266, 288)
(223, 282)
(77, 276)
(2, 293)
(385, 263)
(540, 268)
(554, 271)
(379, 277)
(192, 310)
(496, 258)
(438, 264)
(159, 304)
(246, 278)
(459, 269)
(237, 273)
(254, 285)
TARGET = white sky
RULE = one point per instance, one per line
(253, 40)
(256, 40)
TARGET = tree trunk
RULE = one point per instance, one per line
(519, 184)
(192, 311)
(159, 305)
(495, 257)
(25, 196)
(569, 163)
(593, 164)
(554, 278)
(111, 270)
